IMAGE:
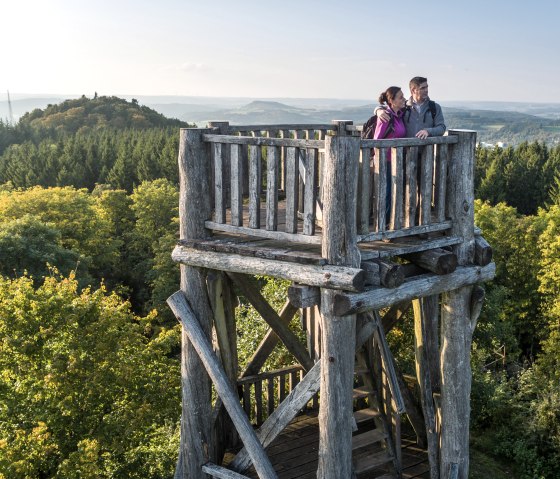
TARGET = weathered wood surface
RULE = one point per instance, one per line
(390, 143)
(294, 453)
(197, 446)
(424, 376)
(482, 251)
(391, 274)
(405, 231)
(303, 296)
(290, 340)
(223, 302)
(182, 310)
(236, 158)
(259, 248)
(371, 268)
(456, 330)
(263, 141)
(272, 184)
(337, 361)
(276, 235)
(426, 285)
(426, 180)
(440, 186)
(437, 261)
(381, 249)
(221, 472)
(328, 276)
(283, 415)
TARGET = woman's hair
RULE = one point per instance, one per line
(389, 94)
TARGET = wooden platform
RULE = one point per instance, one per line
(294, 454)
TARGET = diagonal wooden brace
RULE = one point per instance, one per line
(183, 312)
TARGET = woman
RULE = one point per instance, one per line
(395, 103)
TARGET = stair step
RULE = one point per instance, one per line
(371, 461)
(361, 392)
(364, 415)
(367, 438)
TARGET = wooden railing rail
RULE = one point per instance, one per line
(252, 174)
(262, 393)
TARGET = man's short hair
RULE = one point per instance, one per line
(416, 82)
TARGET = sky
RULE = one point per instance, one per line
(475, 50)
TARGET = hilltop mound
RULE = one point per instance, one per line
(83, 113)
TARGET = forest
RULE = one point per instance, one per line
(89, 351)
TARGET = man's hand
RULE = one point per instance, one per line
(422, 134)
(382, 115)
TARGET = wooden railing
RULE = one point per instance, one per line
(267, 182)
(262, 393)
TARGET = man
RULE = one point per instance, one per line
(423, 117)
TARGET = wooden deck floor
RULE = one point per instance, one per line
(294, 454)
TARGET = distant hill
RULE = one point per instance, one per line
(507, 122)
(509, 127)
(71, 116)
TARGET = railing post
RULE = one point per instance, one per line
(340, 177)
(194, 209)
(457, 315)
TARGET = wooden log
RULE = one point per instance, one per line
(254, 187)
(456, 332)
(310, 192)
(482, 251)
(219, 183)
(364, 190)
(423, 375)
(426, 185)
(411, 188)
(412, 231)
(413, 411)
(340, 178)
(335, 277)
(303, 296)
(182, 310)
(395, 313)
(196, 446)
(222, 128)
(268, 343)
(388, 364)
(439, 261)
(456, 380)
(263, 141)
(379, 189)
(396, 142)
(396, 188)
(221, 472)
(262, 233)
(222, 300)
(283, 415)
(391, 274)
(236, 185)
(272, 159)
(425, 285)
(440, 186)
(290, 340)
(292, 189)
(372, 275)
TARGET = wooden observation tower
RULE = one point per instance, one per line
(305, 203)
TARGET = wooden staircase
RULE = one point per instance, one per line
(375, 443)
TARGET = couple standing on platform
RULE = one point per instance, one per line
(418, 117)
(396, 117)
